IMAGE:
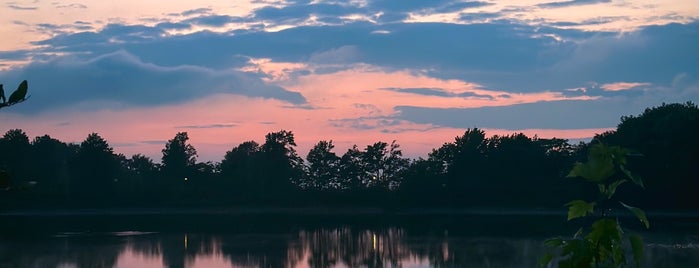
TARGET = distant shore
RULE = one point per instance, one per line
(310, 211)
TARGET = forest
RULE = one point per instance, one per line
(474, 170)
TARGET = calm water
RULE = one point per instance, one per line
(294, 241)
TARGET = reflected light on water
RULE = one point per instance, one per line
(373, 240)
(129, 258)
(305, 248)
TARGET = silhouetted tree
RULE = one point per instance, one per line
(666, 152)
(14, 160)
(323, 167)
(94, 168)
(463, 163)
(424, 183)
(240, 170)
(179, 157)
(383, 165)
(50, 164)
(352, 170)
(282, 166)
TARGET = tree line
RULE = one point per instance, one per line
(473, 170)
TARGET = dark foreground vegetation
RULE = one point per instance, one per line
(513, 171)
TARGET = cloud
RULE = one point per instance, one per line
(343, 54)
(572, 3)
(300, 12)
(212, 20)
(173, 26)
(73, 5)
(505, 56)
(618, 86)
(440, 93)
(196, 11)
(154, 142)
(15, 6)
(121, 79)
(539, 115)
(227, 125)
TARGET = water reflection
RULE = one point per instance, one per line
(343, 246)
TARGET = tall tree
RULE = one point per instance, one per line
(50, 161)
(94, 168)
(352, 172)
(282, 165)
(15, 156)
(463, 162)
(240, 170)
(179, 157)
(383, 165)
(666, 152)
(323, 167)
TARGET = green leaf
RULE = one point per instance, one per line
(19, 94)
(599, 165)
(554, 242)
(546, 259)
(633, 178)
(639, 214)
(637, 248)
(605, 231)
(612, 188)
(606, 236)
(579, 208)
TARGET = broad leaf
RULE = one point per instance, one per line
(606, 236)
(554, 242)
(639, 214)
(579, 208)
(19, 94)
(546, 259)
(599, 165)
(611, 189)
(605, 231)
(637, 248)
(633, 178)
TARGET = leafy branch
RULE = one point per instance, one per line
(20, 95)
(602, 245)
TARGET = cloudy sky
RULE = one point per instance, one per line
(353, 71)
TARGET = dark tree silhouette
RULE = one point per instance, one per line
(666, 147)
(94, 169)
(240, 170)
(282, 166)
(352, 170)
(50, 165)
(323, 167)
(463, 163)
(179, 157)
(14, 160)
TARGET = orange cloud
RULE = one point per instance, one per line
(619, 86)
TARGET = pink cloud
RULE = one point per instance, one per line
(619, 86)
(348, 107)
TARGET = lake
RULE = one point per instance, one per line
(223, 239)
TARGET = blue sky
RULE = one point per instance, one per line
(356, 72)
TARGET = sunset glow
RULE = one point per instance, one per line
(355, 72)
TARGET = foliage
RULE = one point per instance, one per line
(179, 157)
(16, 97)
(666, 137)
(603, 244)
(502, 171)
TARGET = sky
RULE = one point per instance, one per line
(352, 71)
